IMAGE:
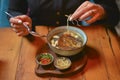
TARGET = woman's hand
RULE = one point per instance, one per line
(17, 24)
(88, 10)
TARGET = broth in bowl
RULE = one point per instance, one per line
(66, 42)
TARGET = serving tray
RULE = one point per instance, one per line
(78, 63)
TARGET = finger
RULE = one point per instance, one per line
(20, 19)
(82, 6)
(24, 18)
(22, 33)
(90, 13)
(28, 24)
(82, 9)
(17, 26)
(15, 21)
(93, 19)
(20, 27)
(16, 30)
(12, 24)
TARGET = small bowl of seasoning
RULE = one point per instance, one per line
(62, 63)
(44, 59)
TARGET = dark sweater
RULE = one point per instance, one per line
(52, 12)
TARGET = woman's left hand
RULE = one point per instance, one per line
(86, 10)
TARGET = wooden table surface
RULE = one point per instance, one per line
(17, 55)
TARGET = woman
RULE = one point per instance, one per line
(52, 12)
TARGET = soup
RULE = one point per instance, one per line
(67, 40)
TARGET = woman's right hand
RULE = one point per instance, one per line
(89, 10)
(17, 24)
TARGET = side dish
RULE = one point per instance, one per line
(44, 59)
(62, 63)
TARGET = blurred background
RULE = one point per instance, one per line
(3, 18)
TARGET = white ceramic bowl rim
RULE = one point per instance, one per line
(78, 30)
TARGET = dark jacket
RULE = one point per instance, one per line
(52, 12)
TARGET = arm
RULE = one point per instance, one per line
(112, 12)
(18, 9)
(101, 11)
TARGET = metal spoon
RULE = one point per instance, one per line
(31, 32)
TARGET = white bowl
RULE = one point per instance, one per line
(62, 29)
(62, 63)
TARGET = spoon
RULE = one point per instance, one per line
(31, 32)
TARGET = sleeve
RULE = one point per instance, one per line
(112, 12)
(17, 7)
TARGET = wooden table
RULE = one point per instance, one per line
(17, 55)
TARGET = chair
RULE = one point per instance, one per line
(3, 17)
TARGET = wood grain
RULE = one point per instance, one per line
(17, 55)
(31, 46)
(103, 62)
(10, 45)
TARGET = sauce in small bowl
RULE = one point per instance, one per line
(44, 59)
